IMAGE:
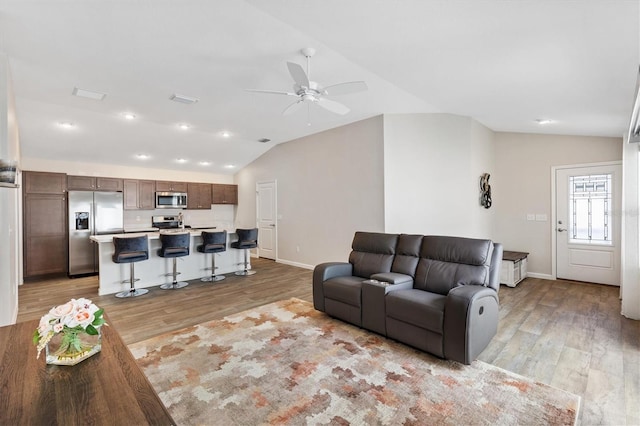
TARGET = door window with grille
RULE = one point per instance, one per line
(590, 209)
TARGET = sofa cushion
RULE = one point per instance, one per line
(344, 289)
(372, 252)
(449, 262)
(417, 307)
(407, 254)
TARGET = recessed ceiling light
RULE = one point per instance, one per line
(183, 99)
(90, 94)
(129, 116)
(204, 163)
(181, 160)
(142, 156)
(229, 166)
(66, 125)
(184, 126)
(225, 134)
(543, 121)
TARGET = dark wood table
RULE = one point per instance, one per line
(107, 389)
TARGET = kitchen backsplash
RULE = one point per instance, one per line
(220, 216)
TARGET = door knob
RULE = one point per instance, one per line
(272, 224)
(561, 229)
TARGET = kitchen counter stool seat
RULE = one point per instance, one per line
(174, 246)
(131, 250)
(213, 242)
(247, 239)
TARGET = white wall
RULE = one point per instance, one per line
(329, 185)
(522, 184)
(433, 164)
(113, 170)
(9, 203)
(630, 289)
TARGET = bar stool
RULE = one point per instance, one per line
(131, 250)
(174, 246)
(247, 239)
(213, 242)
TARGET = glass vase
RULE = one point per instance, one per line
(71, 347)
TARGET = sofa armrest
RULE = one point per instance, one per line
(324, 272)
(470, 321)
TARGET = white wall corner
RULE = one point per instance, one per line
(630, 256)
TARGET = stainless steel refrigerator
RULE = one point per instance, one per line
(91, 213)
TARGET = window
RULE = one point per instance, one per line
(590, 209)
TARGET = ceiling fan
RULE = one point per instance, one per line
(310, 92)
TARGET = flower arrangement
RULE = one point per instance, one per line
(72, 319)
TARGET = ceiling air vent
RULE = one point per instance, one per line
(264, 140)
(183, 99)
(88, 94)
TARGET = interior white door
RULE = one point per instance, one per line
(267, 223)
(588, 215)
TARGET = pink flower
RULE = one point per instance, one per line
(82, 317)
(57, 328)
(62, 310)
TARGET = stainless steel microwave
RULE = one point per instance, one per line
(171, 200)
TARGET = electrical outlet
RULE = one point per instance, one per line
(298, 249)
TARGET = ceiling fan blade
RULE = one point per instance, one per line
(346, 88)
(292, 108)
(271, 92)
(298, 74)
(333, 106)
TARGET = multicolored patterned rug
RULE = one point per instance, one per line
(288, 364)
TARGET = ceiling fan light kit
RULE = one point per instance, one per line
(310, 92)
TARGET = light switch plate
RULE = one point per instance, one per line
(541, 217)
(531, 216)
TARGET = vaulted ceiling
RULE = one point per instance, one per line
(505, 63)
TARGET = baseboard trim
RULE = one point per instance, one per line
(540, 276)
(297, 264)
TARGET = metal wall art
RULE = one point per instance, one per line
(485, 190)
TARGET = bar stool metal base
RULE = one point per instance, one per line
(132, 293)
(174, 286)
(245, 272)
(214, 278)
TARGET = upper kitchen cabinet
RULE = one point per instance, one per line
(224, 194)
(164, 186)
(45, 223)
(199, 196)
(139, 194)
(88, 183)
(44, 183)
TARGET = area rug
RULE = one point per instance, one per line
(288, 364)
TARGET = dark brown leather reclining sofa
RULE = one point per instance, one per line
(435, 293)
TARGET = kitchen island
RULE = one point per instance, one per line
(152, 272)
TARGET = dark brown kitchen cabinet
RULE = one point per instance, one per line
(44, 183)
(224, 194)
(44, 223)
(165, 186)
(199, 196)
(89, 183)
(139, 194)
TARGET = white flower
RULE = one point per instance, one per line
(82, 317)
(57, 328)
(62, 310)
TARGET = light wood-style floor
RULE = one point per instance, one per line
(566, 334)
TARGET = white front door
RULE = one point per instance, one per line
(588, 215)
(266, 216)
